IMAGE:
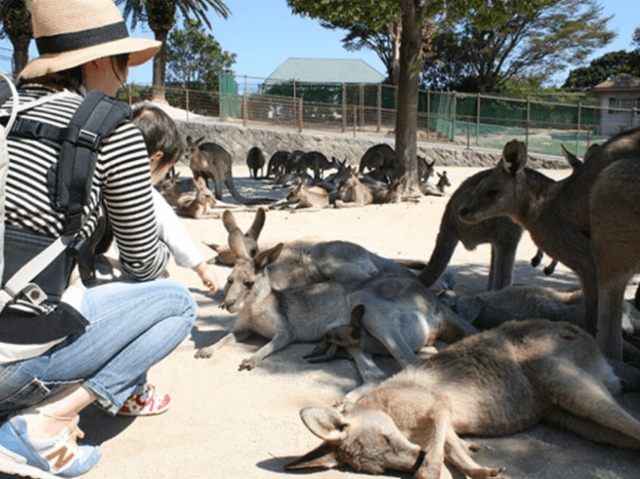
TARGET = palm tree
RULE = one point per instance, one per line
(161, 17)
(16, 24)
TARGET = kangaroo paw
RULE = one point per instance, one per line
(204, 353)
(247, 364)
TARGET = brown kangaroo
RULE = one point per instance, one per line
(212, 162)
(497, 382)
(590, 221)
(197, 204)
(308, 196)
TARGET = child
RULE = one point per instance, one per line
(165, 147)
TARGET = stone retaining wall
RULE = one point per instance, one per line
(238, 140)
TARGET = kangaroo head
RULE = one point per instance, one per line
(248, 280)
(497, 193)
(192, 148)
(365, 439)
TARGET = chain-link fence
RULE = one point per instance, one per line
(463, 119)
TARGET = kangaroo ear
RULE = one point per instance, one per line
(257, 225)
(327, 424)
(229, 221)
(322, 457)
(573, 160)
(514, 157)
(236, 243)
(265, 258)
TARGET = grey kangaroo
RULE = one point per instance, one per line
(503, 234)
(303, 263)
(590, 221)
(306, 313)
(493, 383)
(211, 161)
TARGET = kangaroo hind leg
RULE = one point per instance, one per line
(575, 391)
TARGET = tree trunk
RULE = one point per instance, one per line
(409, 80)
(20, 53)
(158, 93)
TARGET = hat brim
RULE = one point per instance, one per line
(140, 50)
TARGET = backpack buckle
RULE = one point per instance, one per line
(88, 139)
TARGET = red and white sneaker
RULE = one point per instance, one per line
(145, 401)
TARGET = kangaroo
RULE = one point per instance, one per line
(353, 191)
(497, 382)
(438, 189)
(277, 163)
(255, 162)
(572, 221)
(425, 169)
(197, 204)
(304, 314)
(381, 162)
(503, 234)
(302, 263)
(307, 196)
(317, 162)
(173, 187)
(211, 161)
(385, 321)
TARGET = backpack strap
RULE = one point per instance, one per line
(95, 119)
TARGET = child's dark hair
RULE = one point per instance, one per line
(160, 134)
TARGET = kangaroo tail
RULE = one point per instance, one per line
(445, 246)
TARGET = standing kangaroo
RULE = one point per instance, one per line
(503, 234)
(255, 162)
(497, 382)
(589, 221)
(211, 161)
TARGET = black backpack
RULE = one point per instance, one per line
(69, 187)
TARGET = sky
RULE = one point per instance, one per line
(264, 33)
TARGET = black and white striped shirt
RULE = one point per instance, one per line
(122, 178)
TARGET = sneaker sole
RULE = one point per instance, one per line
(15, 464)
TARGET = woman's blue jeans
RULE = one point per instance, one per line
(132, 327)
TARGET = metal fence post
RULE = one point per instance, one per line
(344, 107)
(379, 107)
(428, 113)
(186, 99)
(526, 134)
(579, 125)
(245, 108)
(453, 117)
(300, 115)
(478, 120)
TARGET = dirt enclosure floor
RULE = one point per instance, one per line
(226, 423)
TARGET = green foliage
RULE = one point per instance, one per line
(534, 42)
(604, 67)
(161, 14)
(195, 57)
(16, 19)
(138, 93)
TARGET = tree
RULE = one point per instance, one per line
(602, 68)
(196, 58)
(16, 25)
(161, 17)
(377, 15)
(534, 42)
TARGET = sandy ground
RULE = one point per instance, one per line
(226, 423)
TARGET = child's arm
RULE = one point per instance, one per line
(181, 245)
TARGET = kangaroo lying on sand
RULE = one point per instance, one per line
(303, 263)
(304, 314)
(497, 382)
(589, 221)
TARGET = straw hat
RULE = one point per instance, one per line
(69, 33)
